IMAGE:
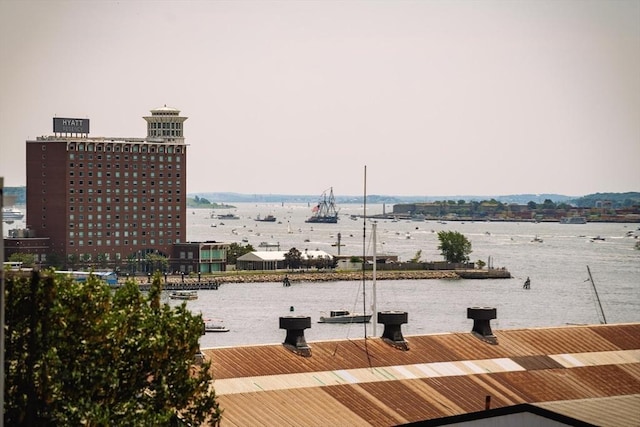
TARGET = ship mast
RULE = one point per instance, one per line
(604, 319)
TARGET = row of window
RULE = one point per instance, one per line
(118, 242)
(117, 217)
(117, 174)
(133, 158)
(116, 190)
(124, 208)
(124, 199)
(165, 125)
(122, 147)
(165, 132)
(127, 233)
(126, 182)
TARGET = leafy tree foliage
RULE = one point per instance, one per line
(293, 258)
(236, 250)
(548, 204)
(416, 257)
(81, 354)
(157, 262)
(27, 260)
(454, 246)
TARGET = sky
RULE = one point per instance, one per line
(434, 97)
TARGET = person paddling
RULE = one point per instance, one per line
(527, 284)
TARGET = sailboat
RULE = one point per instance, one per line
(325, 211)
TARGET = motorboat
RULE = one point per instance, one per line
(212, 325)
(573, 220)
(228, 216)
(344, 316)
(11, 214)
(184, 295)
(268, 218)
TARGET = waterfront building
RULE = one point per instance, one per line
(109, 198)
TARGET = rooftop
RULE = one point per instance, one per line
(358, 382)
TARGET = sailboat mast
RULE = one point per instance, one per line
(374, 308)
(364, 253)
(597, 297)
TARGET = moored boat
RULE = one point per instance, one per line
(344, 316)
(573, 220)
(11, 214)
(268, 218)
(212, 325)
(184, 295)
(228, 216)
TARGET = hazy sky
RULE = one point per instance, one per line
(293, 97)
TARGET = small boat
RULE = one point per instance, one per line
(228, 216)
(537, 240)
(184, 295)
(268, 218)
(344, 316)
(269, 245)
(573, 220)
(593, 239)
(11, 214)
(211, 325)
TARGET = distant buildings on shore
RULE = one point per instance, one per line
(496, 211)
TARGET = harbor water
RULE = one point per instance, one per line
(556, 263)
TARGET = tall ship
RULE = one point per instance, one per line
(325, 211)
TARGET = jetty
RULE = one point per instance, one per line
(173, 283)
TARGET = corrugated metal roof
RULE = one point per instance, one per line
(371, 383)
(619, 411)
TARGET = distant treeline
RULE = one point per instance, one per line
(619, 200)
(19, 194)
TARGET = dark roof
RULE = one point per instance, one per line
(358, 382)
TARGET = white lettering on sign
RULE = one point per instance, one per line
(71, 122)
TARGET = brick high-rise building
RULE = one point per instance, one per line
(100, 198)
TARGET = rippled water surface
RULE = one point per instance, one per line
(560, 292)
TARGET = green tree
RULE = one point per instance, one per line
(72, 261)
(157, 262)
(416, 257)
(293, 258)
(454, 246)
(27, 260)
(532, 205)
(236, 250)
(102, 260)
(82, 354)
(548, 204)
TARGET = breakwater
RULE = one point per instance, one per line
(214, 281)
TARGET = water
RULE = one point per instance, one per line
(560, 292)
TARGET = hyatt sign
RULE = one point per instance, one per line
(61, 125)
